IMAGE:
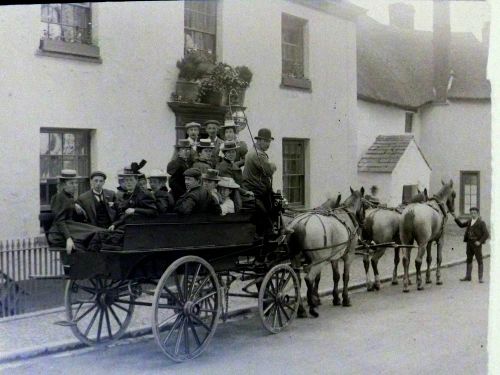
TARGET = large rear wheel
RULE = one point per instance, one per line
(279, 298)
(98, 311)
(186, 308)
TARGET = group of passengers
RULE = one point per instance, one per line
(205, 176)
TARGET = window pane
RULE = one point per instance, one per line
(44, 194)
(81, 144)
(69, 162)
(55, 144)
(473, 189)
(44, 143)
(69, 144)
(55, 166)
(83, 166)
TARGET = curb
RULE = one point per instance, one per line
(61, 346)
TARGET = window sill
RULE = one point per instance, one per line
(296, 83)
(74, 51)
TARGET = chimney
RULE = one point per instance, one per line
(486, 34)
(441, 50)
(402, 16)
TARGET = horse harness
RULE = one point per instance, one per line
(331, 212)
(441, 210)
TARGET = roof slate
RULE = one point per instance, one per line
(385, 153)
(395, 66)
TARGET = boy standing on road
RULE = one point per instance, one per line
(475, 236)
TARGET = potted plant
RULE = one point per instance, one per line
(224, 82)
(192, 67)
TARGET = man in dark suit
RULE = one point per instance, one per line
(177, 167)
(475, 236)
(197, 199)
(97, 203)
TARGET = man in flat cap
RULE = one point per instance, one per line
(197, 199)
(257, 177)
(97, 203)
(475, 236)
(212, 128)
(193, 135)
(177, 167)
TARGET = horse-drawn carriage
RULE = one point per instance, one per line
(187, 264)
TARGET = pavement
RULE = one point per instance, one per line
(35, 334)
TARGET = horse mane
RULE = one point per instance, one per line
(443, 193)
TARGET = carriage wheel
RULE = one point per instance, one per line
(186, 308)
(99, 310)
(279, 298)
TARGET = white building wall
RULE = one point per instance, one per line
(124, 98)
(325, 115)
(382, 180)
(457, 137)
(411, 169)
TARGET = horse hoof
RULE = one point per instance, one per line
(394, 282)
(376, 287)
(346, 302)
(336, 302)
(406, 290)
(313, 313)
(370, 288)
(420, 287)
(439, 282)
(428, 281)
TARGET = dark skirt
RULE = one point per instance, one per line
(81, 233)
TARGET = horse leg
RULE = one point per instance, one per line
(429, 261)
(346, 302)
(376, 285)
(336, 279)
(439, 259)
(418, 265)
(316, 287)
(406, 268)
(366, 264)
(396, 262)
(312, 299)
(301, 312)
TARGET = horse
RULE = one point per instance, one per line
(424, 223)
(328, 236)
(382, 226)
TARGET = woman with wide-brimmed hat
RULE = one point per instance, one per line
(230, 133)
(230, 199)
(228, 168)
(204, 162)
(158, 181)
(65, 231)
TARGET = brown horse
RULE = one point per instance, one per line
(382, 226)
(328, 236)
(424, 223)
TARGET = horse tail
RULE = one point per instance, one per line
(406, 227)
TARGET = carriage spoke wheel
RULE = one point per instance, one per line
(186, 308)
(100, 310)
(279, 298)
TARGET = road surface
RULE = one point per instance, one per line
(441, 330)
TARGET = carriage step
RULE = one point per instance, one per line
(65, 323)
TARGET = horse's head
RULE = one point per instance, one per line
(355, 203)
(421, 196)
(447, 193)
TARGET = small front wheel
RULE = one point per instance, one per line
(279, 298)
(186, 308)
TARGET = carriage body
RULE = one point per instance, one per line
(187, 264)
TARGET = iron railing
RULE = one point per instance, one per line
(21, 261)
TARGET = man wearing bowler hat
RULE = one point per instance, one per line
(257, 177)
(205, 149)
(97, 203)
(475, 236)
(177, 167)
